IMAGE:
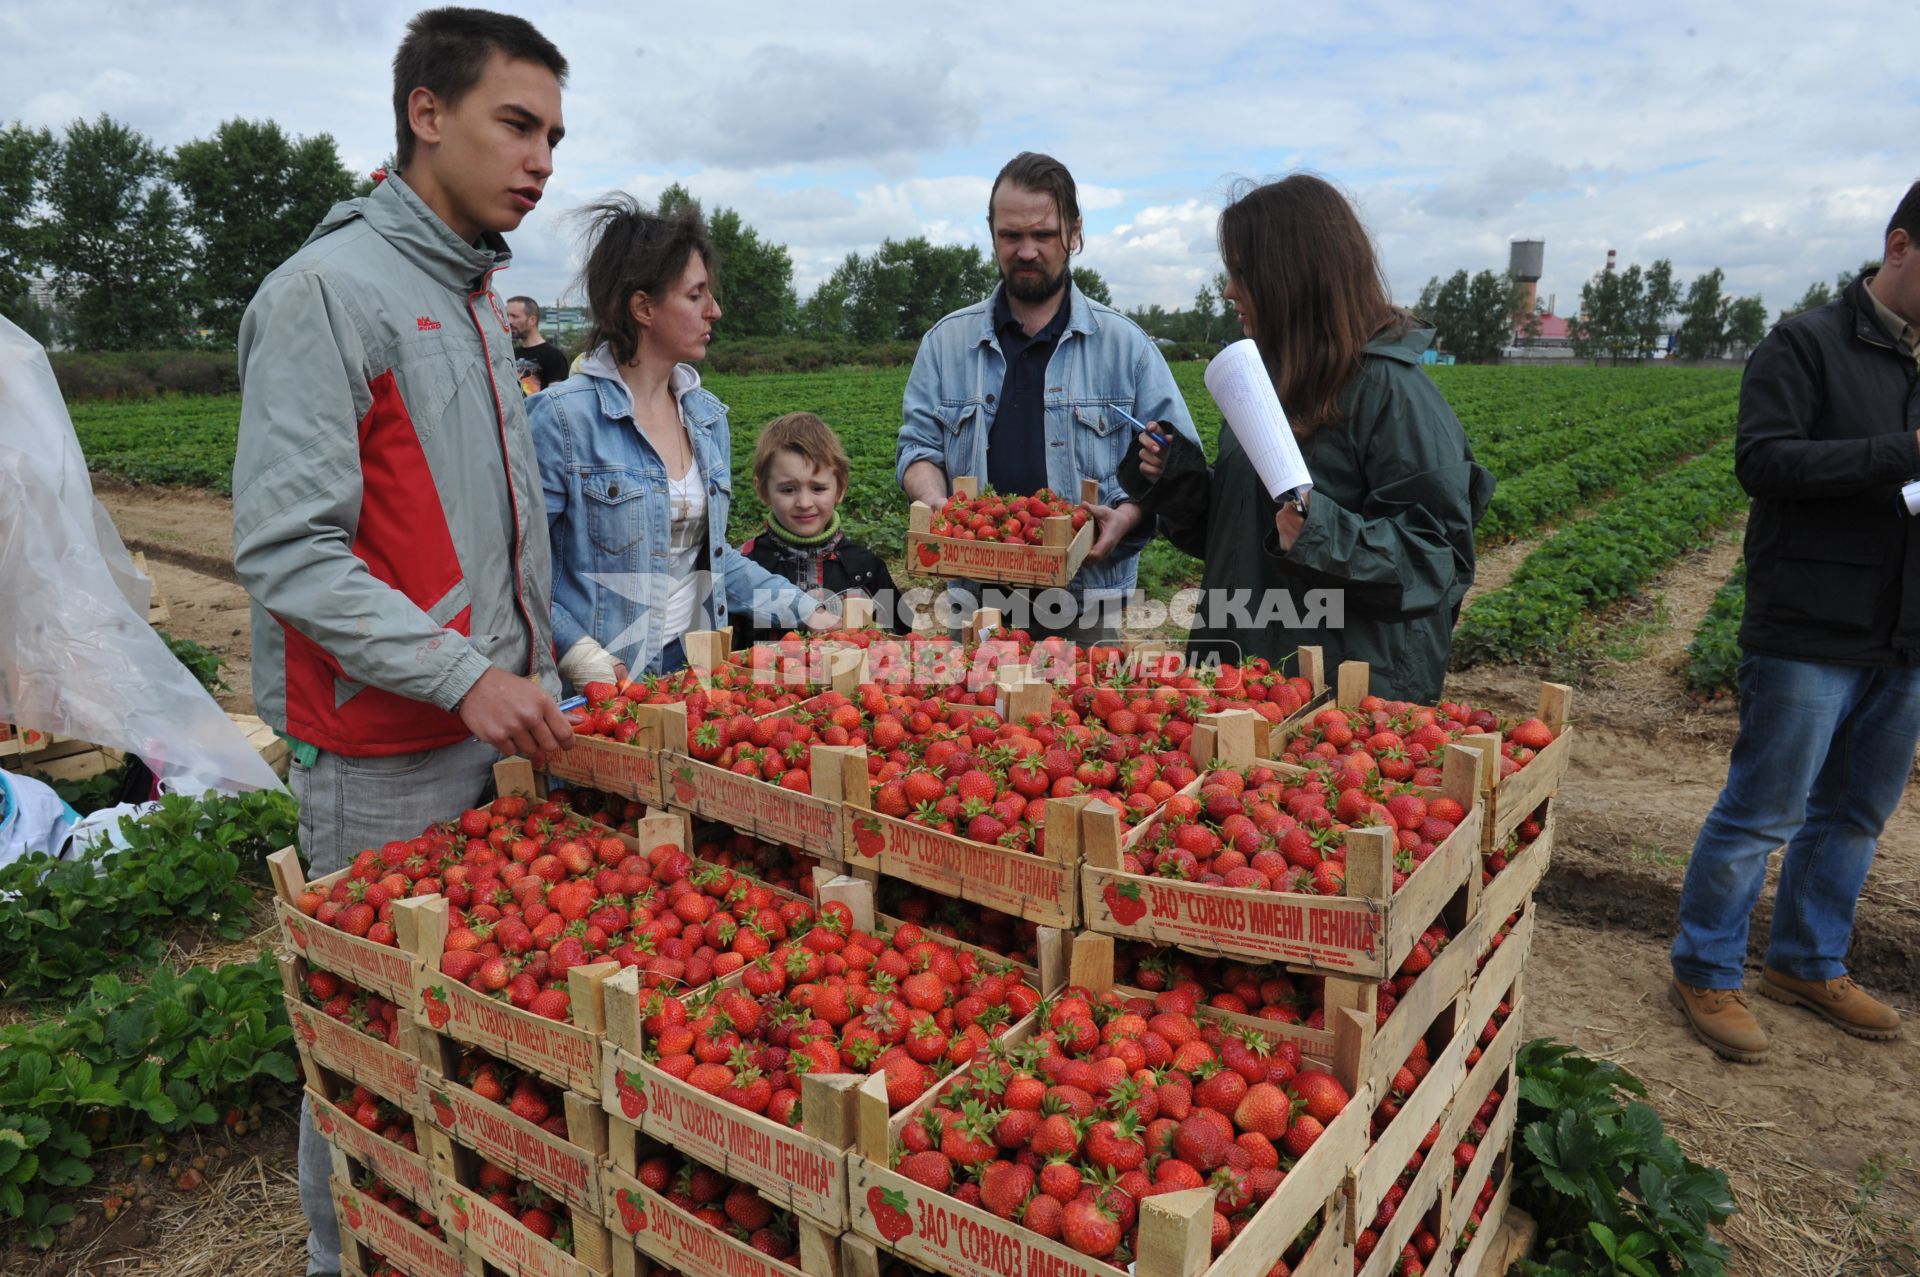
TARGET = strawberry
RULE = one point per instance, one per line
(889, 1208)
(1090, 1228)
(1004, 1187)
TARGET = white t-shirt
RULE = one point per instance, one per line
(686, 533)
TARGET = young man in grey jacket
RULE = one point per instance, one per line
(387, 515)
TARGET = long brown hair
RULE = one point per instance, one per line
(631, 250)
(1305, 267)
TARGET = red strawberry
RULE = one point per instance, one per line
(1090, 1228)
(1004, 1187)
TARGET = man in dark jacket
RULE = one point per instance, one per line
(1830, 681)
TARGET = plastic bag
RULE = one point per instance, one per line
(77, 656)
(32, 818)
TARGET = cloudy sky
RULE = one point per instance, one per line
(1751, 136)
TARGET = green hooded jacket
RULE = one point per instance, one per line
(1385, 556)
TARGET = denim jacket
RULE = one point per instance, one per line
(1103, 360)
(608, 516)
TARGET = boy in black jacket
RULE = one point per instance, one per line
(800, 471)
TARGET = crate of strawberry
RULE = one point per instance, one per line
(1038, 540)
(373, 1132)
(1111, 1131)
(992, 809)
(521, 967)
(781, 776)
(754, 1076)
(353, 1032)
(378, 1224)
(514, 1226)
(512, 1117)
(675, 1211)
(1323, 866)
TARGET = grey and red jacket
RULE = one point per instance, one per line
(387, 515)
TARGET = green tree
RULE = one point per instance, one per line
(756, 279)
(1746, 323)
(1703, 318)
(115, 245)
(1657, 304)
(1816, 296)
(26, 157)
(252, 196)
(1472, 315)
(899, 291)
(675, 200)
(1088, 281)
(1611, 304)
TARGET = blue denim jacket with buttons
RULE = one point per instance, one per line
(608, 516)
(1103, 360)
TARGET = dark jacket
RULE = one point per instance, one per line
(837, 567)
(1828, 415)
(1389, 528)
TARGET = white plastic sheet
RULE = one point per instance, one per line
(77, 656)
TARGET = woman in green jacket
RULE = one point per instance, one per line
(1375, 565)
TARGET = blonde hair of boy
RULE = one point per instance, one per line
(810, 438)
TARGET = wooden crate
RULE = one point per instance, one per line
(493, 1237)
(407, 1171)
(22, 742)
(814, 822)
(945, 1235)
(325, 1043)
(1366, 932)
(645, 1226)
(366, 1226)
(389, 971)
(569, 1167)
(631, 770)
(1052, 563)
(1511, 799)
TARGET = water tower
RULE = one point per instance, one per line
(1525, 257)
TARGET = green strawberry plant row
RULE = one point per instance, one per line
(1713, 657)
(1599, 561)
(126, 1064)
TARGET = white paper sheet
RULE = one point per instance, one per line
(1237, 379)
(1910, 495)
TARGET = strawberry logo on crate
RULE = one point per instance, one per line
(633, 1102)
(633, 1215)
(868, 838)
(435, 1002)
(323, 1120)
(459, 1205)
(889, 1207)
(1124, 902)
(351, 1207)
(442, 1110)
(683, 787)
(298, 932)
(304, 1026)
(929, 554)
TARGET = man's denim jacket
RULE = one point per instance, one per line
(1103, 361)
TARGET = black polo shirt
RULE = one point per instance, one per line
(1017, 441)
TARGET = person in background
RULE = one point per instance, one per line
(1829, 675)
(637, 463)
(1018, 389)
(1386, 531)
(385, 493)
(800, 473)
(539, 362)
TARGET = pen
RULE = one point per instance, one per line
(1139, 425)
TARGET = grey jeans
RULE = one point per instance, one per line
(346, 806)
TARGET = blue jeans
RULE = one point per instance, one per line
(347, 804)
(1820, 762)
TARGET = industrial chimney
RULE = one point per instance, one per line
(1525, 258)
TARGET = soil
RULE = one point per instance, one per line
(1818, 1141)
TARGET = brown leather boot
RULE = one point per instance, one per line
(1845, 1004)
(1719, 1018)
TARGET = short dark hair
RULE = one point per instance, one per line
(445, 52)
(533, 307)
(1907, 216)
(633, 251)
(1032, 171)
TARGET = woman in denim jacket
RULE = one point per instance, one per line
(637, 463)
